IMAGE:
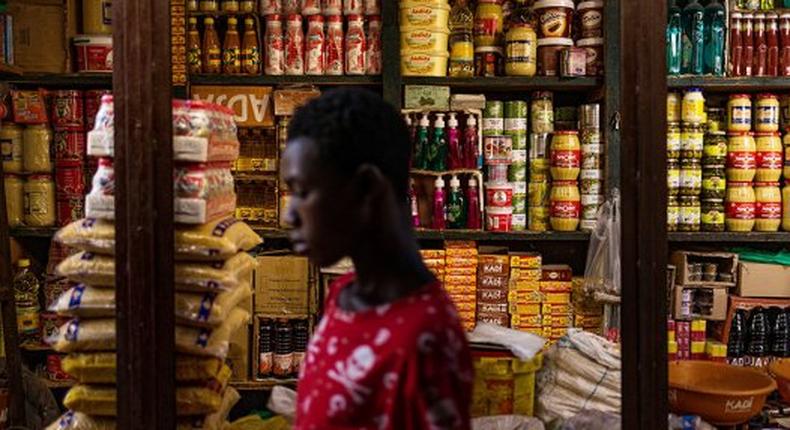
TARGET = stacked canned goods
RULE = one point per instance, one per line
(515, 124)
(713, 181)
(686, 119)
(591, 177)
(541, 127)
(498, 154)
(68, 120)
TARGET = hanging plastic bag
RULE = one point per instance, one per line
(602, 271)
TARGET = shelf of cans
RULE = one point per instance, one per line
(513, 290)
(725, 163)
(752, 38)
(213, 273)
(497, 38)
(282, 37)
(46, 171)
(537, 168)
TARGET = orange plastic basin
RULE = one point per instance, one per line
(780, 370)
(721, 394)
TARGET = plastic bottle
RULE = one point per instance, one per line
(212, 51)
(231, 50)
(473, 219)
(780, 330)
(674, 35)
(26, 288)
(439, 209)
(438, 148)
(758, 333)
(412, 137)
(421, 143)
(194, 48)
(693, 21)
(456, 157)
(413, 205)
(715, 32)
(461, 44)
(737, 338)
(250, 53)
(472, 156)
(456, 205)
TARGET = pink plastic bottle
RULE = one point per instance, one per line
(439, 210)
(470, 144)
(415, 209)
(456, 154)
(473, 221)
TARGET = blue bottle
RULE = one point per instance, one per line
(715, 32)
(674, 33)
(693, 21)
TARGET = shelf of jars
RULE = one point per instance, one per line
(730, 83)
(21, 232)
(66, 80)
(268, 80)
(511, 83)
(476, 235)
(267, 384)
(729, 237)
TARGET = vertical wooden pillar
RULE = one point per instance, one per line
(144, 214)
(644, 195)
(390, 42)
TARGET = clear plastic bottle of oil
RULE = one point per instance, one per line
(26, 288)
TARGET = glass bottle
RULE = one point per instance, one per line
(674, 36)
(194, 48)
(461, 45)
(231, 50)
(212, 52)
(715, 28)
(693, 38)
(250, 53)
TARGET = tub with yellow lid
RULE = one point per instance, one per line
(424, 64)
(415, 39)
(419, 15)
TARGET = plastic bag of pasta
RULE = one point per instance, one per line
(88, 268)
(100, 367)
(211, 342)
(84, 335)
(216, 420)
(86, 302)
(213, 241)
(72, 420)
(92, 399)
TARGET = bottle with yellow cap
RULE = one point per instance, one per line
(26, 288)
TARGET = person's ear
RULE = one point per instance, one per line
(370, 187)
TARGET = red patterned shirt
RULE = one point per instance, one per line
(403, 365)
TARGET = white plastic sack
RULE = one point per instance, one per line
(283, 402)
(592, 420)
(522, 344)
(602, 271)
(507, 422)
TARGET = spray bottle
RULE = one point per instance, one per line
(439, 210)
(456, 205)
(438, 152)
(473, 221)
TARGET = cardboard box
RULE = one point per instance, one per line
(718, 309)
(252, 105)
(763, 280)
(239, 354)
(282, 286)
(287, 101)
(727, 262)
(426, 97)
(40, 43)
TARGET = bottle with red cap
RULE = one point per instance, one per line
(315, 59)
(333, 45)
(275, 46)
(355, 46)
(294, 46)
(373, 50)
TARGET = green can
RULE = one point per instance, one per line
(519, 203)
(517, 171)
(494, 109)
(516, 109)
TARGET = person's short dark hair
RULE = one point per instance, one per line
(353, 127)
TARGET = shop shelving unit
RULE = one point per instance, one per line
(752, 238)
(729, 84)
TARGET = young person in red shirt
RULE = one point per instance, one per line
(389, 351)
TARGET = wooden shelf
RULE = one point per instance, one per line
(730, 237)
(548, 236)
(60, 384)
(33, 232)
(65, 80)
(36, 348)
(267, 80)
(8, 71)
(261, 385)
(510, 83)
(727, 84)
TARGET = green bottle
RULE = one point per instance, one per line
(456, 205)
(421, 144)
(437, 158)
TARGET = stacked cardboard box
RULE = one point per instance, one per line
(524, 297)
(493, 281)
(434, 259)
(587, 313)
(555, 287)
(460, 278)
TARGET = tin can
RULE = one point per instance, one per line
(69, 146)
(520, 140)
(70, 178)
(68, 110)
(92, 105)
(520, 201)
(489, 61)
(591, 156)
(498, 172)
(497, 149)
(517, 171)
(516, 109)
(518, 222)
(590, 136)
(591, 181)
(590, 116)
(70, 209)
(494, 109)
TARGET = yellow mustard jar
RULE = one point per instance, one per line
(521, 50)
(489, 20)
(14, 200)
(768, 206)
(565, 155)
(36, 142)
(741, 157)
(766, 115)
(673, 107)
(768, 157)
(786, 206)
(740, 207)
(739, 113)
(565, 204)
(786, 171)
(693, 107)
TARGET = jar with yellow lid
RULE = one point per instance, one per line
(712, 215)
(14, 199)
(768, 157)
(714, 181)
(692, 142)
(673, 177)
(690, 177)
(565, 155)
(690, 213)
(673, 214)
(740, 207)
(766, 115)
(39, 201)
(11, 147)
(786, 206)
(741, 157)
(768, 206)
(693, 107)
(786, 171)
(521, 50)
(673, 108)
(489, 20)
(715, 148)
(36, 142)
(673, 140)
(565, 206)
(717, 120)
(739, 113)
